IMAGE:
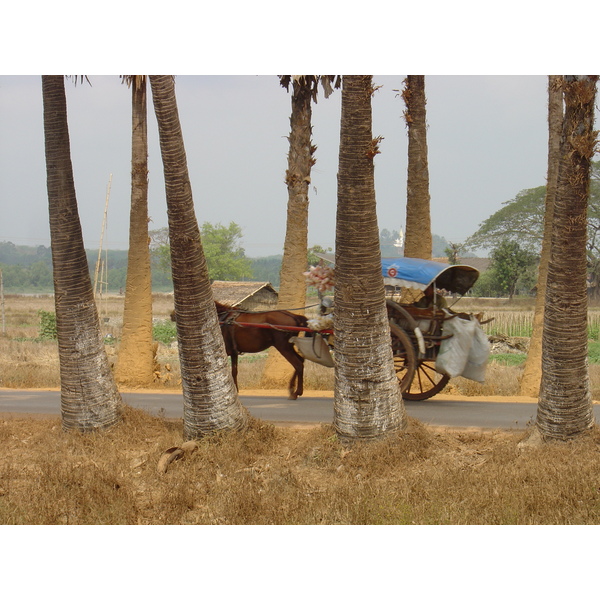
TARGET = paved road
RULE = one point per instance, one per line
(439, 412)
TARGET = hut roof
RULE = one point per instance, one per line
(233, 293)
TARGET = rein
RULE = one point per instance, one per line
(262, 312)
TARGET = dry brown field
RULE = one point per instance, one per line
(269, 474)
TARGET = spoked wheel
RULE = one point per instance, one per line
(426, 383)
(405, 360)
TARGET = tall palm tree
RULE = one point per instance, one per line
(367, 399)
(135, 365)
(292, 287)
(89, 397)
(532, 372)
(418, 242)
(565, 405)
(210, 400)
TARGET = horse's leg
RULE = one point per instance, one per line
(286, 349)
(234, 368)
(231, 350)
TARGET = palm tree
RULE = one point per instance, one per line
(532, 372)
(89, 397)
(135, 366)
(565, 405)
(210, 400)
(292, 288)
(418, 242)
(367, 399)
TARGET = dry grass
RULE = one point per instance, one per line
(270, 475)
(274, 475)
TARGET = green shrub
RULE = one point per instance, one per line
(47, 325)
(165, 332)
(509, 360)
(594, 352)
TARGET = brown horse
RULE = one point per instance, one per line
(245, 331)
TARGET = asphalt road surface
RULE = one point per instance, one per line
(307, 409)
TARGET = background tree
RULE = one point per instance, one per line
(565, 405)
(226, 259)
(520, 220)
(160, 251)
(532, 371)
(266, 268)
(418, 242)
(210, 400)
(510, 264)
(367, 400)
(137, 351)
(292, 285)
(89, 397)
(453, 252)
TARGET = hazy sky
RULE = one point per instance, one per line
(487, 140)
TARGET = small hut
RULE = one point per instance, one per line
(247, 295)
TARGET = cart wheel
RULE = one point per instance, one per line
(426, 383)
(405, 360)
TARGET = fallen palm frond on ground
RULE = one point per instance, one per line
(272, 475)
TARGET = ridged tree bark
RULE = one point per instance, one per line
(418, 241)
(135, 366)
(532, 372)
(292, 287)
(367, 399)
(565, 405)
(89, 397)
(210, 399)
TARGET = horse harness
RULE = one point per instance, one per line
(227, 319)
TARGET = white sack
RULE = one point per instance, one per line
(454, 351)
(315, 349)
(478, 356)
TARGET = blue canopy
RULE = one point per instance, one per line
(419, 274)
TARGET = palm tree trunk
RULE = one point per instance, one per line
(565, 405)
(367, 402)
(210, 400)
(136, 351)
(418, 242)
(532, 372)
(292, 289)
(89, 397)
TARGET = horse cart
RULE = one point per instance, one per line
(430, 342)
